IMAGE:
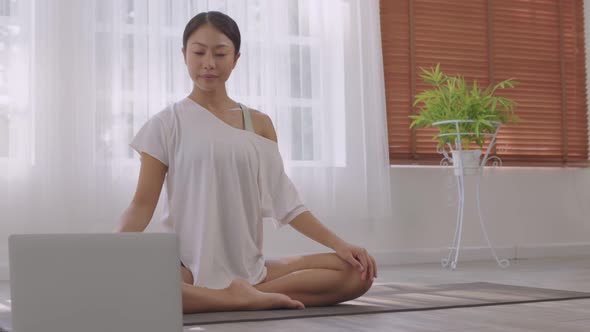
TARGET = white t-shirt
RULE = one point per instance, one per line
(221, 183)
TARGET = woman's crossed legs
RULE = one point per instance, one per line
(312, 280)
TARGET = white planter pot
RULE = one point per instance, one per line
(470, 159)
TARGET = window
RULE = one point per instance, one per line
(540, 43)
(140, 70)
(16, 141)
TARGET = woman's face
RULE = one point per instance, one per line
(210, 57)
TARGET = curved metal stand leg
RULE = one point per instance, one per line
(453, 257)
(503, 263)
(445, 261)
(462, 210)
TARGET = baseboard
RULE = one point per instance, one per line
(418, 256)
(553, 250)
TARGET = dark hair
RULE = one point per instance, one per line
(219, 21)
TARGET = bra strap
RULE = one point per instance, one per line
(247, 118)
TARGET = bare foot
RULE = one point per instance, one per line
(253, 299)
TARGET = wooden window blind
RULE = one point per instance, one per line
(540, 43)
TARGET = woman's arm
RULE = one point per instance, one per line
(151, 179)
(310, 226)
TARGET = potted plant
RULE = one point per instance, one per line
(477, 113)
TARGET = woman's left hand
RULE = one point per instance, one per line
(359, 258)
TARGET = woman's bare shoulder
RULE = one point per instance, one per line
(263, 125)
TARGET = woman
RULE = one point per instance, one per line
(224, 175)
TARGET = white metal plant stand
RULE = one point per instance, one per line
(460, 172)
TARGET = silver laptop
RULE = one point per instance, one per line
(123, 282)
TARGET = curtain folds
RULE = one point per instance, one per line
(95, 71)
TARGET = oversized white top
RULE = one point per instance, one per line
(221, 183)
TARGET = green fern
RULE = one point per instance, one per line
(452, 99)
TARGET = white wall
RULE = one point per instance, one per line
(528, 212)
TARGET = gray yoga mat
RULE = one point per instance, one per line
(396, 297)
(391, 298)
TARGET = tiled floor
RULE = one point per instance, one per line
(559, 273)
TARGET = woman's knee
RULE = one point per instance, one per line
(355, 286)
(364, 286)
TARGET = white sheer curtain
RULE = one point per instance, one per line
(79, 78)
(354, 185)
